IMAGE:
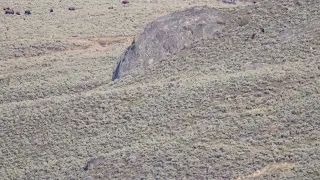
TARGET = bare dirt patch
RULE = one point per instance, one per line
(72, 44)
(99, 43)
(270, 168)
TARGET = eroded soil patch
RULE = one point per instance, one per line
(57, 46)
(99, 43)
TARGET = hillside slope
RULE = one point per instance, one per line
(238, 106)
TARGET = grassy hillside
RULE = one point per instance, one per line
(244, 105)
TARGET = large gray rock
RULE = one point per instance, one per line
(170, 34)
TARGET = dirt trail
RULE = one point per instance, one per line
(100, 43)
(78, 44)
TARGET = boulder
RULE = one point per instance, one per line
(168, 35)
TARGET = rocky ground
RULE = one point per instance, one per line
(244, 105)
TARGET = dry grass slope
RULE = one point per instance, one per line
(231, 107)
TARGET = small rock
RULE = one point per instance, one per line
(9, 11)
(72, 8)
(253, 35)
(51, 10)
(17, 13)
(92, 163)
(27, 12)
(111, 7)
(124, 2)
(6, 8)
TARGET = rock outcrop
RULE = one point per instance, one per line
(170, 34)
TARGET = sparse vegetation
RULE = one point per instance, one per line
(225, 108)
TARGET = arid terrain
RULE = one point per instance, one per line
(244, 105)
